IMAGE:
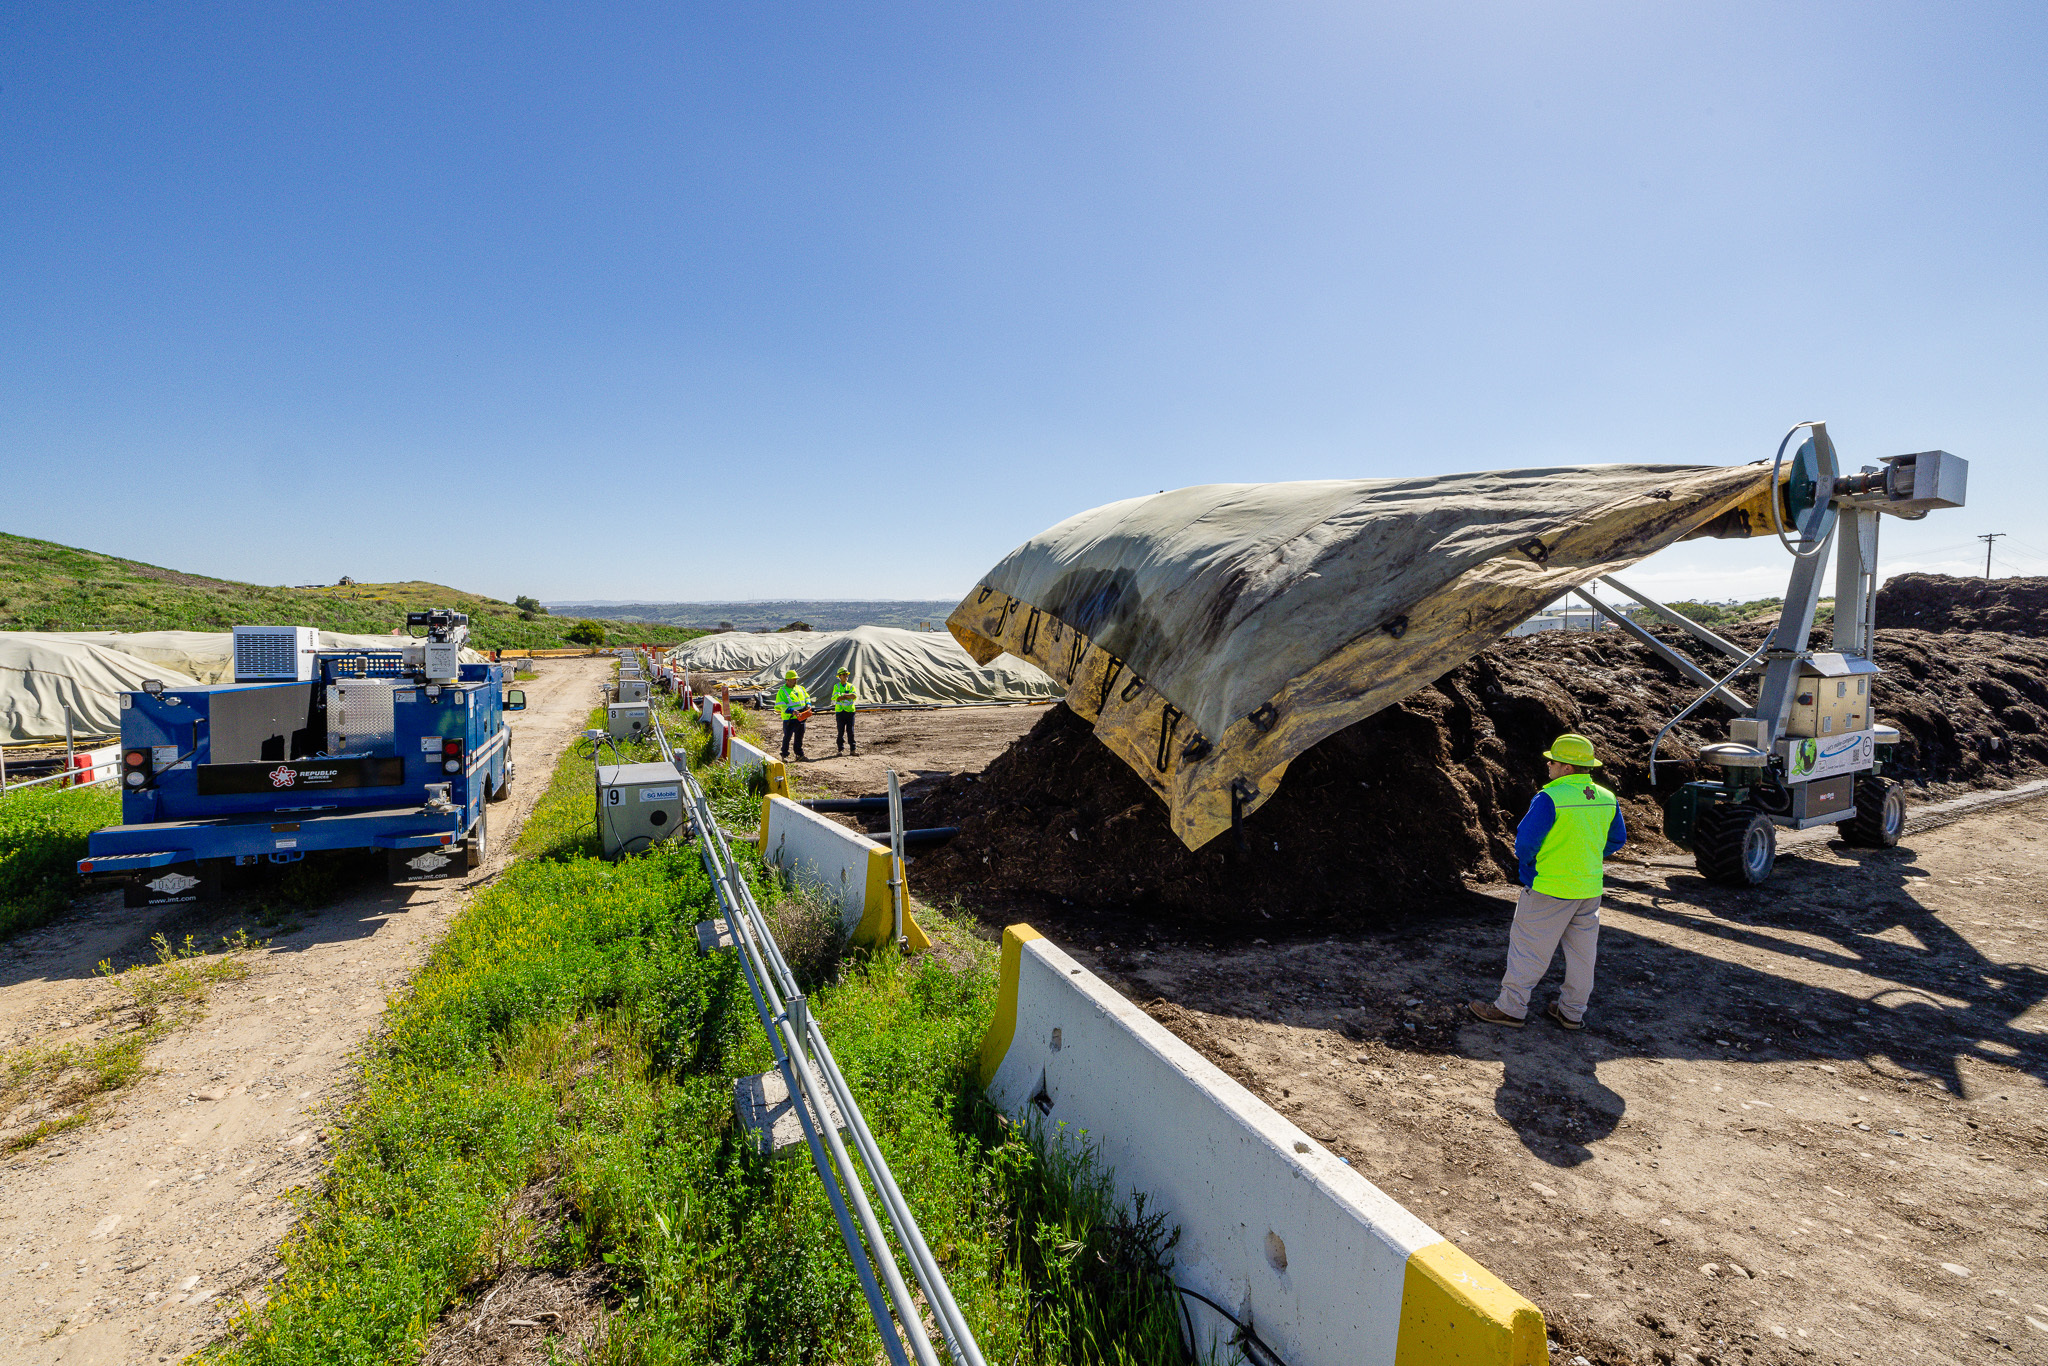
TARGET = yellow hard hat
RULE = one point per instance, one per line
(789, 674)
(844, 673)
(1575, 750)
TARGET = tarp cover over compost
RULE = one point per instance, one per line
(730, 651)
(1213, 633)
(209, 656)
(894, 667)
(42, 674)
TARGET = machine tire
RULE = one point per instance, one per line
(1736, 845)
(1880, 814)
(502, 790)
(478, 844)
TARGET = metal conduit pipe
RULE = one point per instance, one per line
(734, 898)
(793, 1033)
(923, 1265)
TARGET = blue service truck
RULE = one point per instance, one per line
(311, 750)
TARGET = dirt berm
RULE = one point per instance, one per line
(1936, 602)
(1425, 796)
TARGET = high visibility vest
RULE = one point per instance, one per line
(842, 697)
(1568, 865)
(790, 699)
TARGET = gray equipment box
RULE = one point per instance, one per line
(638, 806)
(626, 720)
(632, 689)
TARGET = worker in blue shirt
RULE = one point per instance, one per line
(1574, 825)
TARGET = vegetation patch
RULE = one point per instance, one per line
(42, 837)
(45, 586)
(47, 1088)
(567, 1037)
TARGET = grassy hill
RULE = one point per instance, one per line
(49, 587)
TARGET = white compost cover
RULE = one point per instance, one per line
(1213, 633)
(208, 656)
(891, 666)
(729, 651)
(41, 674)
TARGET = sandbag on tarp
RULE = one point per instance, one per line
(42, 674)
(730, 651)
(895, 667)
(1213, 633)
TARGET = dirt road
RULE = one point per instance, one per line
(134, 1238)
(1806, 1122)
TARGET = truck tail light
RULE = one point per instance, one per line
(451, 756)
(137, 770)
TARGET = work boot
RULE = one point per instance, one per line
(1492, 1014)
(1556, 1014)
(837, 753)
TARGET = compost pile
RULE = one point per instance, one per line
(1424, 796)
(1936, 602)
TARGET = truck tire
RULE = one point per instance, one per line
(1880, 814)
(503, 789)
(1736, 845)
(478, 844)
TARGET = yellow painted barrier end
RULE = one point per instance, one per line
(1454, 1312)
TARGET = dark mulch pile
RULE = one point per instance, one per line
(1423, 798)
(1936, 602)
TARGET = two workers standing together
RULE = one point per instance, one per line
(793, 705)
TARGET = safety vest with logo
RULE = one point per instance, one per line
(842, 697)
(1568, 864)
(790, 699)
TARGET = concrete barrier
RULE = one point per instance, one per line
(1328, 1269)
(843, 863)
(747, 758)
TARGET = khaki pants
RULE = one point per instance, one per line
(1541, 923)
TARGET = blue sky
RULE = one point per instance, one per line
(771, 300)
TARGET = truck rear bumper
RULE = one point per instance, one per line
(131, 848)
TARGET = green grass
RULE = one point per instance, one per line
(58, 1086)
(49, 587)
(42, 837)
(567, 1037)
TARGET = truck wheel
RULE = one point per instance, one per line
(1737, 845)
(478, 844)
(502, 790)
(1880, 814)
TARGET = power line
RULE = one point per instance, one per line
(1988, 539)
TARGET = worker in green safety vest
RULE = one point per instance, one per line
(842, 711)
(793, 705)
(1573, 826)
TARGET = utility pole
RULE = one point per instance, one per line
(1987, 550)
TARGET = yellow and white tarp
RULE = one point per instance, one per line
(894, 667)
(45, 679)
(1213, 633)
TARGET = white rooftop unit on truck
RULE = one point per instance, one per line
(274, 654)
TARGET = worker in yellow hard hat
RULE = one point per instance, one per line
(1574, 825)
(793, 705)
(843, 702)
